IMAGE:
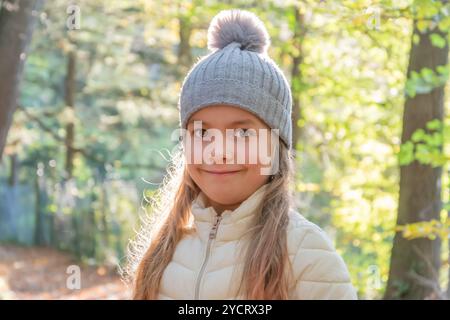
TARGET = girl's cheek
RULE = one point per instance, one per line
(193, 151)
(250, 152)
(264, 153)
(246, 151)
(254, 152)
(240, 153)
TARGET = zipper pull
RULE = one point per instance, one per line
(213, 231)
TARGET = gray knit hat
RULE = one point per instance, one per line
(239, 72)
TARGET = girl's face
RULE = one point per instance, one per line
(232, 148)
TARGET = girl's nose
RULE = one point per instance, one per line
(224, 153)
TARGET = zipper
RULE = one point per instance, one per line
(212, 236)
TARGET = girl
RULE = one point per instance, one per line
(222, 228)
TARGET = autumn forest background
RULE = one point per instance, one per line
(88, 103)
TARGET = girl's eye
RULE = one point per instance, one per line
(200, 133)
(242, 133)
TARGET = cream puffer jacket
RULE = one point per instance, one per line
(204, 265)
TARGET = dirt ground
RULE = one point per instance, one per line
(41, 273)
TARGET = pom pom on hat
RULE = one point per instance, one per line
(239, 26)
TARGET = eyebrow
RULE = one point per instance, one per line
(237, 122)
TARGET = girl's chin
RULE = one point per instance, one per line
(227, 200)
(232, 178)
(224, 193)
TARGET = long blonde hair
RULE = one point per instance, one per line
(264, 274)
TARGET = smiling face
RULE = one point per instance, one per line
(230, 173)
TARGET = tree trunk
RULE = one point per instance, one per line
(448, 242)
(415, 263)
(296, 76)
(13, 173)
(39, 206)
(16, 28)
(70, 103)
(184, 47)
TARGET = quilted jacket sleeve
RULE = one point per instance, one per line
(320, 271)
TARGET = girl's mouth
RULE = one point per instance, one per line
(222, 172)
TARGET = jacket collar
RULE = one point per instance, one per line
(234, 223)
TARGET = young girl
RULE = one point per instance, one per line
(221, 228)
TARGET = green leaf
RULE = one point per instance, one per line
(423, 154)
(418, 135)
(437, 40)
(435, 124)
(434, 140)
(422, 25)
(427, 74)
(406, 154)
(423, 87)
(443, 70)
(444, 24)
(410, 88)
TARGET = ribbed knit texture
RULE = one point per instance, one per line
(246, 79)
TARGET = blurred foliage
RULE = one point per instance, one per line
(128, 76)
